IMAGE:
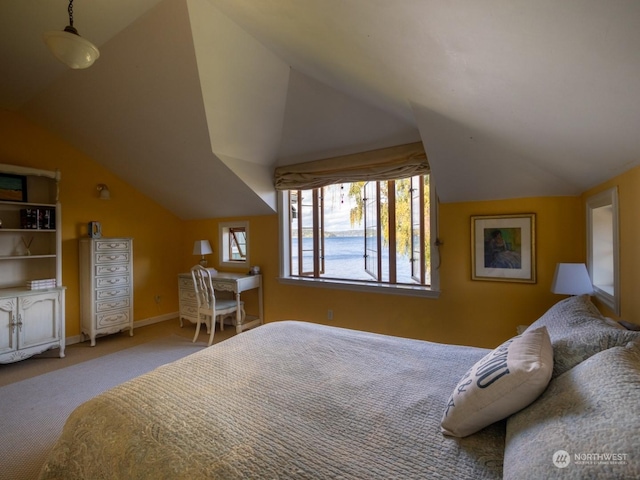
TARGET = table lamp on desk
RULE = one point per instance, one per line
(202, 247)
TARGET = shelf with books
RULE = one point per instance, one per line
(30, 234)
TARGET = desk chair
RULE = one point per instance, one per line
(208, 307)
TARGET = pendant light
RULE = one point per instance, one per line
(69, 47)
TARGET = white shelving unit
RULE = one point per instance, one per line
(31, 321)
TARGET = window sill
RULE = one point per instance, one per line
(407, 290)
(227, 264)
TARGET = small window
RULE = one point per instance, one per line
(234, 244)
(602, 247)
(237, 249)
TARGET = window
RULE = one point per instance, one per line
(366, 234)
(237, 248)
(234, 244)
(602, 247)
(363, 221)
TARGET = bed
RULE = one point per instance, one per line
(298, 400)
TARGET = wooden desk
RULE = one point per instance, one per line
(226, 282)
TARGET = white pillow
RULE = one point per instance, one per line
(503, 382)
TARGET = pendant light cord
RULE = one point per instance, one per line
(70, 28)
(70, 10)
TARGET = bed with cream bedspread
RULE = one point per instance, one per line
(285, 400)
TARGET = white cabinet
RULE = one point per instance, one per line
(31, 321)
(106, 286)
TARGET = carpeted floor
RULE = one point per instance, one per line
(35, 408)
(81, 352)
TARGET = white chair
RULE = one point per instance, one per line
(208, 307)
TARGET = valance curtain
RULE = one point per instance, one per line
(385, 164)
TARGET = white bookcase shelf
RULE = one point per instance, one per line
(32, 320)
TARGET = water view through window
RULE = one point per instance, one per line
(339, 230)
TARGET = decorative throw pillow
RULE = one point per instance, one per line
(503, 382)
(585, 424)
(578, 331)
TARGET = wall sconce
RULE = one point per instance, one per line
(571, 279)
(104, 194)
(202, 247)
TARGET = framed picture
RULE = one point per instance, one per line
(503, 248)
(13, 188)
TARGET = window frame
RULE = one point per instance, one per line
(224, 232)
(606, 198)
(417, 250)
(372, 244)
(285, 277)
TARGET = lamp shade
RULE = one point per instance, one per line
(71, 49)
(571, 279)
(202, 247)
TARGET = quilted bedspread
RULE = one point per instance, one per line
(284, 400)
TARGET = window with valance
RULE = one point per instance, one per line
(359, 221)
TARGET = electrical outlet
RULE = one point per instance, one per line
(329, 314)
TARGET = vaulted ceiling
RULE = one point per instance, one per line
(194, 102)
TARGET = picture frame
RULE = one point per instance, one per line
(503, 248)
(13, 188)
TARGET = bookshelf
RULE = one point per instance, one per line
(31, 318)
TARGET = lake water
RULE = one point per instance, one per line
(344, 259)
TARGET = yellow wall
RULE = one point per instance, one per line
(628, 185)
(467, 312)
(157, 233)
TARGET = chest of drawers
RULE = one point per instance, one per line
(106, 286)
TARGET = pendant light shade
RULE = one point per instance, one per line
(69, 47)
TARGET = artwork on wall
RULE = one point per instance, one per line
(503, 248)
(13, 188)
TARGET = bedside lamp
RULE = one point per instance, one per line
(571, 279)
(202, 247)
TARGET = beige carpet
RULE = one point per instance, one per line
(81, 352)
(34, 409)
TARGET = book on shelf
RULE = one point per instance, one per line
(38, 218)
(41, 284)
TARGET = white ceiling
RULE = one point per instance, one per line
(194, 102)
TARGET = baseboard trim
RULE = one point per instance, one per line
(136, 324)
(151, 320)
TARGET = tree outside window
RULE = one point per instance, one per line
(362, 231)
